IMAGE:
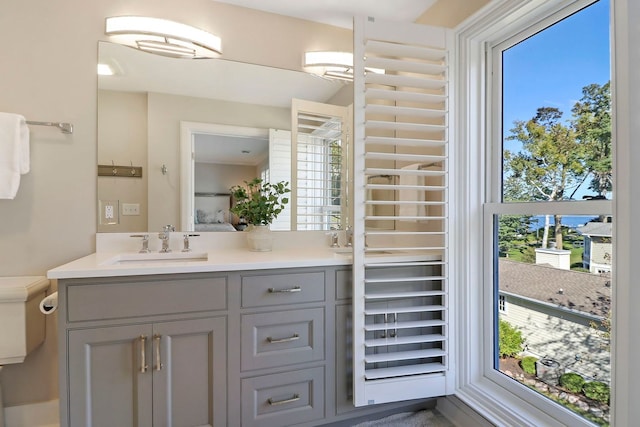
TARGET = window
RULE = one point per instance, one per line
(502, 303)
(320, 135)
(535, 211)
(547, 160)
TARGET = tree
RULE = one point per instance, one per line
(550, 164)
(512, 229)
(592, 125)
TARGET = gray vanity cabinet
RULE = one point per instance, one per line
(263, 348)
(144, 351)
(344, 343)
(103, 375)
(162, 374)
(189, 387)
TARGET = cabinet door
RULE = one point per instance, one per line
(106, 385)
(190, 373)
(344, 359)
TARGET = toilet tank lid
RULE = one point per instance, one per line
(20, 288)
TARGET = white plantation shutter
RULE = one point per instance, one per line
(320, 136)
(280, 170)
(401, 181)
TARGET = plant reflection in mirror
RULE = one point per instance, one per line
(259, 202)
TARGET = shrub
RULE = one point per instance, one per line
(510, 343)
(572, 382)
(529, 364)
(596, 390)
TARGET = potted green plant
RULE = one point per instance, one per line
(258, 203)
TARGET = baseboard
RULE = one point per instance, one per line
(42, 414)
(459, 413)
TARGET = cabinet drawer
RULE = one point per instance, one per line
(282, 338)
(117, 299)
(274, 289)
(283, 399)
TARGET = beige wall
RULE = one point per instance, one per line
(49, 56)
(122, 128)
(219, 178)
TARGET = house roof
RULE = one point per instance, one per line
(586, 292)
(603, 229)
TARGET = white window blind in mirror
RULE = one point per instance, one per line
(320, 137)
(280, 170)
(401, 183)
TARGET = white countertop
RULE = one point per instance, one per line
(117, 255)
(105, 264)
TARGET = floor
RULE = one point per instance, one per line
(426, 418)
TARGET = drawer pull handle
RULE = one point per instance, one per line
(285, 291)
(142, 340)
(156, 339)
(272, 402)
(279, 340)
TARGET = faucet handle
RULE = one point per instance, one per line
(349, 236)
(186, 247)
(334, 240)
(145, 242)
(168, 228)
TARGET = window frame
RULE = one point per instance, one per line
(500, 399)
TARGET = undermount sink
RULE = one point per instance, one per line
(156, 257)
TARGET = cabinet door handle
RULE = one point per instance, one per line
(278, 340)
(285, 291)
(142, 341)
(272, 402)
(156, 340)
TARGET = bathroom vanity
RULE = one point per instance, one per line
(218, 338)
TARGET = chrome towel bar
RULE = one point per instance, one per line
(64, 127)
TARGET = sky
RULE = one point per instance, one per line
(550, 68)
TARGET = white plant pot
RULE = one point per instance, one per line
(259, 238)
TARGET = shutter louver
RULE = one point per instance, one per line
(400, 195)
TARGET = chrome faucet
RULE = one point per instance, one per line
(334, 240)
(186, 247)
(164, 235)
(349, 236)
(145, 242)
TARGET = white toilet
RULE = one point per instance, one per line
(22, 324)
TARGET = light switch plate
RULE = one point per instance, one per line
(131, 209)
(109, 212)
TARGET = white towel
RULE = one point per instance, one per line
(411, 195)
(14, 153)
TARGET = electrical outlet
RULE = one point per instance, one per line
(109, 212)
(130, 209)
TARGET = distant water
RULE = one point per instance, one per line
(571, 221)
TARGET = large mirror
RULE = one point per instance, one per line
(232, 112)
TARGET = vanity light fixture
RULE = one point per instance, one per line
(163, 37)
(336, 65)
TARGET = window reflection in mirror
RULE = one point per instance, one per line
(320, 137)
(141, 106)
